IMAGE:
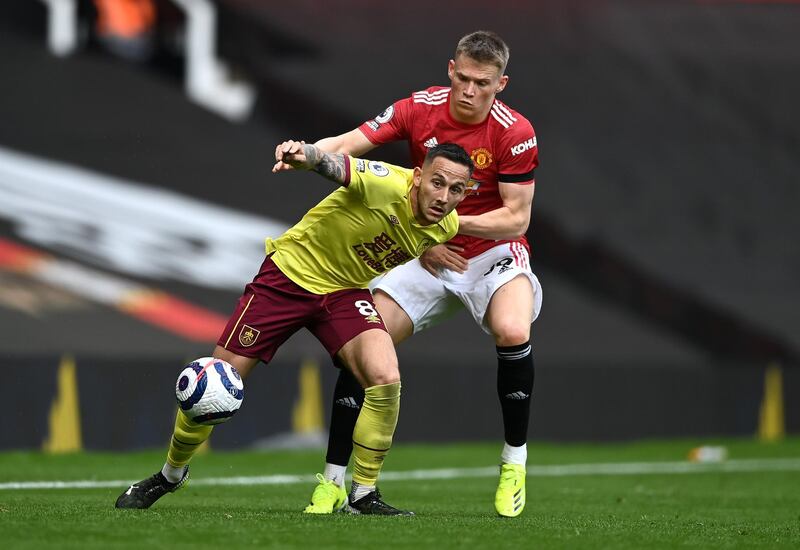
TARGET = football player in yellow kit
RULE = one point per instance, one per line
(316, 276)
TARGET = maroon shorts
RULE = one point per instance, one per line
(273, 308)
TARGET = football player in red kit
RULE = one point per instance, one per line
(485, 268)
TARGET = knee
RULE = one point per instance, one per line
(511, 334)
(383, 380)
(388, 374)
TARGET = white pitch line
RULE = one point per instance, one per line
(622, 468)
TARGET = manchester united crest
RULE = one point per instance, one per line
(482, 157)
(248, 336)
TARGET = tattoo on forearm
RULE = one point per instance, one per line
(312, 154)
(330, 165)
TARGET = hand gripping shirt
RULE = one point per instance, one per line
(503, 148)
(357, 232)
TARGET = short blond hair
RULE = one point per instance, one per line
(484, 47)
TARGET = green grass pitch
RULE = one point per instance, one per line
(634, 495)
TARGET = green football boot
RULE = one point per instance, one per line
(327, 498)
(509, 501)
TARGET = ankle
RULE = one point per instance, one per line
(335, 473)
(359, 491)
(173, 474)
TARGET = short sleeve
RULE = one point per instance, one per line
(393, 124)
(378, 183)
(520, 155)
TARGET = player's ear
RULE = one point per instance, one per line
(417, 176)
(503, 83)
(451, 68)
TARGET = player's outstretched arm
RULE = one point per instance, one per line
(353, 143)
(303, 156)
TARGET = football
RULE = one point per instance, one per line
(209, 390)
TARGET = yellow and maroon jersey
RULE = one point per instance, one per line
(503, 148)
(361, 230)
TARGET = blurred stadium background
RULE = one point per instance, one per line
(135, 194)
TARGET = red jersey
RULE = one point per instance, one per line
(503, 148)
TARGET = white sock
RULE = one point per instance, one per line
(172, 473)
(514, 455)
(359, 491)
(335, 473)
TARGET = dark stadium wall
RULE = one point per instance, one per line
(116, 403)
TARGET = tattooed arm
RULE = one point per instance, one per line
(299, 154)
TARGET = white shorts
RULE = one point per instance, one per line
(429, 300)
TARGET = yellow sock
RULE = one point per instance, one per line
(186, 439)
(372, 436)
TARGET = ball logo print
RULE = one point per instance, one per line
(209, 391)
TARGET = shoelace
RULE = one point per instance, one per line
(329, 485)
